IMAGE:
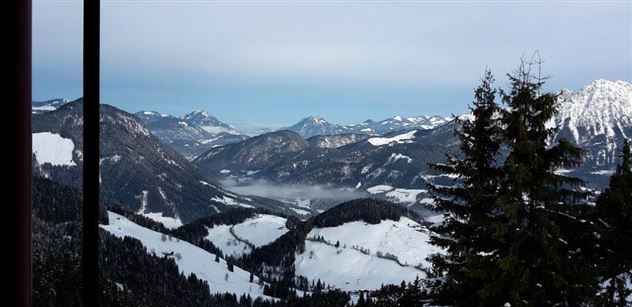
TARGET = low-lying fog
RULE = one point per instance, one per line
(291, 191)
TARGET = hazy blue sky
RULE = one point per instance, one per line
(273, 63)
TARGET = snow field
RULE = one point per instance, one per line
(191, 259)
(355, 264)
(53, 149)
(401, 138)
(261, 230)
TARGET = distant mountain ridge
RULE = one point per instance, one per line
(191, 134)
(39, 107)
(316, 125)
(597, 117)
(208, 122)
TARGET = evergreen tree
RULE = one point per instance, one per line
(458, 276)
(535, 263)
(614, 210)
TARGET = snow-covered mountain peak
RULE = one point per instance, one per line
(317, 119)
(597, 118)
(199, 115)
(151, 116)
(208, 122)
(602, 107)
(39, 107)
(316, 125)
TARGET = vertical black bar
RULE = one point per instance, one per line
(18, 104)
(91, 20)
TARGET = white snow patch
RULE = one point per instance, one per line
(305, 203)
(435, 219)
(261, 230)
(382, 188)
(603, 172)
(397, 156)
(221, 237)
(53, 149)
(231, 202)
(206, 183)
(406, 196)
(169, 222)
(401, 138)
(143, 202)
(300, 211)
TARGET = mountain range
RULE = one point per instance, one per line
(137, 170)
(191, 134)
(597, 118)
(316, 125)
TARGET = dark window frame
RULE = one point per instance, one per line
(18, 72)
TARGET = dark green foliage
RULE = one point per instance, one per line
(516, 232)
(139, 219)
(403, 295)
(459, 276)
(536, 264)
(56, 259)
(369, 210)
(614, 210)
(196, 231)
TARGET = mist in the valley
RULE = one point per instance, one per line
(268, 189)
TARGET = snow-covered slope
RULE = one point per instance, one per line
(189, 258)
(208, 122)
(335, 140)
(400, 138)
(39, 107)
(261, 230)
(238, 240)
(597, 118)
(221, 237)
(53, 149)
(602, 108)
(316, 125)
(367, 256)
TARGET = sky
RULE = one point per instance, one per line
(271, 63)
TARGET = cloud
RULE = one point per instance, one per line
(399, 44)
(248, 62)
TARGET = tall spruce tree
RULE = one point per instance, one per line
(538, 263)
(614, 209)
(458, 276)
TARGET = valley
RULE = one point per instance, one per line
(309, 208)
